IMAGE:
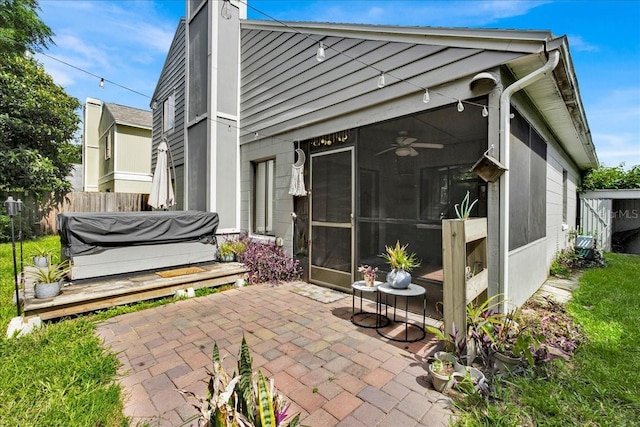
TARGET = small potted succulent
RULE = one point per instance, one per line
(48, 280)
(368, 274)
(401, 263)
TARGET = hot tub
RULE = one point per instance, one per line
(107, 243)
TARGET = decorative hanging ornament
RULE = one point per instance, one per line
(297, 175)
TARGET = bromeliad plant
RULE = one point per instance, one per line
(246, 400)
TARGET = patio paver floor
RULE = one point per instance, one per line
(333, 372)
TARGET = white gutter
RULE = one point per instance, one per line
(505, 133)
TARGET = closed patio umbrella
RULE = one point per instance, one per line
(161, 196)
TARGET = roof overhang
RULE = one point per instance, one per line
(558, 101)
(557, 97)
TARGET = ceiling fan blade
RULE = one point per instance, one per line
(427, 145)
(384, 151)
(413, 152)
(405, 140)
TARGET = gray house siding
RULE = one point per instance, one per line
(172, 80)
(284, 88)
(529, 264)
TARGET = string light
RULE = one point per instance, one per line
(460, 106)
(485, 112)
(320, 55)
(426, 98)
(101, 83)
(226, 9)
(381, 81)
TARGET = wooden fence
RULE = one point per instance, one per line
(78, 201)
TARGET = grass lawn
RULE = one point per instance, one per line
(599, 385)
(58, 376)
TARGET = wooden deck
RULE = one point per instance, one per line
(89, 295)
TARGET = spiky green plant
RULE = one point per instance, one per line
(463, 210)
(246, 400)
(398, 258)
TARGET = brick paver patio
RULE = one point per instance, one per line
(333, 372)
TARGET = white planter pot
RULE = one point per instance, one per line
(399, 279)
(41, 261)
(47, 290)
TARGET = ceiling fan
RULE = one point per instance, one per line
(405, 145)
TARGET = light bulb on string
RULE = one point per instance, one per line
(226, 9)
(485, 112)
(426, 98)
(460, 107)
(320, 55)
(101, 83)
(381, 81)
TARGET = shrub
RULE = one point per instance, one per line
(268, 262)
(5, 229)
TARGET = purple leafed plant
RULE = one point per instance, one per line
(268, 262)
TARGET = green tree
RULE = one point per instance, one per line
(21, 29)
(37, 117)
(613, 177)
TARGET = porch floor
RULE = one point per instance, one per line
(95, 294)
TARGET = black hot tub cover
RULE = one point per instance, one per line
(86, 233)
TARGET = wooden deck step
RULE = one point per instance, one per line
(84, 296)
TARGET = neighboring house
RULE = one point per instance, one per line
(117, 148)
(236, 98)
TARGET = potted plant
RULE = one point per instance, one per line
(48, 280)
(512, 345)
(41, 256)
(401, 263)
(368, 274)
(444, 370)
(226, 251)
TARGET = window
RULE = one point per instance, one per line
(264, 186)
(564, 196)
(107, 145)
(169, 112)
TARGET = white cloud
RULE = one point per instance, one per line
(579, 44)
(423, 13)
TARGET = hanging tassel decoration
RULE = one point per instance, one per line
(297, 176)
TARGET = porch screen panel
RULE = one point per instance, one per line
(332, 188)
(538, 201)
(519, 183)
(331, 248)
(331, 209)
(528, 188)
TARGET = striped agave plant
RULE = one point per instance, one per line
(246, 400)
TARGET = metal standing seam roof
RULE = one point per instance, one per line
(130, 116)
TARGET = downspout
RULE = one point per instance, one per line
(505, 133)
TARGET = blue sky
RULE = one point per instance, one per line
(126, 41)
